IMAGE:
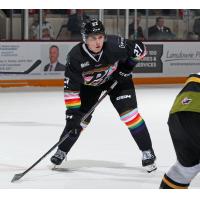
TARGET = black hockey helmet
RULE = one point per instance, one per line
(92, 26)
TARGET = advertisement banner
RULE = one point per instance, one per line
(152, 61)
(32, 60)
(181, 57)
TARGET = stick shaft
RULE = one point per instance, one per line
(67, 135)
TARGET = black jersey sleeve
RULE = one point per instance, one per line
(136, 51)
(73, 74)
(128, 52)
(72, 82)
(123, 48)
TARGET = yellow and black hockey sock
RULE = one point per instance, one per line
(168, 183)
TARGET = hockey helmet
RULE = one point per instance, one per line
(92, 26)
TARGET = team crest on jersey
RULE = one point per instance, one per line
(98, 76)
(85, 64)
(186, 101)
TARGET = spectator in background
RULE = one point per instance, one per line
(196, 27)
(74, 23)
(35, 23)
(159, 31)
(54, 64)
(139, 33)
(47, 29)
(192, 36)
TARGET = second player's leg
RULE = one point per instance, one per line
(184, 130)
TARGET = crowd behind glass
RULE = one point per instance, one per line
(65, 24)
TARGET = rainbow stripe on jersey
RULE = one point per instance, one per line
(72, 99)
(132, 119)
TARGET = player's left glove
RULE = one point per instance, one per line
(73, 119)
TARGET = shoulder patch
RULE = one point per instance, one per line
(122, 42)
(186, 101)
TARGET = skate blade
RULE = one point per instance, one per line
(54, 167)
(150, 168)
(59, 168)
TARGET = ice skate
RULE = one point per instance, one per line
(58, 157)
(148, 160)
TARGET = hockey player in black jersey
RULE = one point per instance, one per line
(92, 67)
(184, 127)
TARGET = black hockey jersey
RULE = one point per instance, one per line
(83, 67)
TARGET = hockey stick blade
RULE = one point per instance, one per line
(17, 177)
(35, 64)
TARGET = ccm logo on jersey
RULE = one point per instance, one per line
(124, 75)
(123, 97)
(85, 64)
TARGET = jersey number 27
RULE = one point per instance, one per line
(137, 50)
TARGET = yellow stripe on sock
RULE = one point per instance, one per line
(173, 185)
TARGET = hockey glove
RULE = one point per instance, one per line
(122, 74)
(73, 119)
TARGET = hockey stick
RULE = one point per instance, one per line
(35, 64)
(18, 176)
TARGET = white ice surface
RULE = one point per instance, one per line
(105, 156)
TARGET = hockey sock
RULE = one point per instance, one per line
(138, 129)
(168, 183)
